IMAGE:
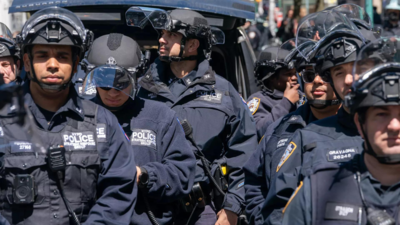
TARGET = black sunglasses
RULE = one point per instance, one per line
(309, 75)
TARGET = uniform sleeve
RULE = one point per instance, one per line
(241, 143)
(267, 114)
(298, 211)
(116, 185)
(255, 185)
(285, 169)
(174, 176)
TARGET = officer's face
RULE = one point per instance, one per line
(342, 78)
(52, 63)
(113, 97)
(170, 43)
(382, 126)
(285, 75)
(8, 68)
(318, 89)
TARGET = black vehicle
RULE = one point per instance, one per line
(233, 60)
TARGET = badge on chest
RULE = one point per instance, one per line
(143, 137)
(79, 140)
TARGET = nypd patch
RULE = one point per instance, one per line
(143, 137)
(253, 105)
(288, 152)
(301, 101)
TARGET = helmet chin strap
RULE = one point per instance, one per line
(322, 104)
(52, 87)
(387, 160)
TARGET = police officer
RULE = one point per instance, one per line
(165, 161)
(391, 25)
(223, 128)
(364, 190)
(333, 139)
(82, 175)
(9, 57)
(280, 89)
(321, 103)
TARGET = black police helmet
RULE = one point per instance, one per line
(124, 50)
(8, 46)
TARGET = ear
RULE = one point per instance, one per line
(194, 44)
(76, 64)
(27, 63)
(18, 64)
(357, 122)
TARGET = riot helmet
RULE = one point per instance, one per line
(191, 24)
(376, 75)
(54, 26)
(113, 62)
(8, 48)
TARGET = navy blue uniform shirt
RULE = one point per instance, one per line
(223, 127)
(160, 147)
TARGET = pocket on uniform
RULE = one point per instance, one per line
(81, 176)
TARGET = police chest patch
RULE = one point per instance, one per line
(281, 143)
(214, 96)
(339, 211)
(342, 155)
(288, 152)
(20, 146)
(79, 140)
(143, 137)
(101, 130)
(253, 105)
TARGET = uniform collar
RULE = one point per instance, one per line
(273, 93)
(73, 104)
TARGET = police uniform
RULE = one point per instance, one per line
(99, 183)
(268, 106)
(321, 199)
(258, 175)
(161, 149)
(222, 125)
(334, 139)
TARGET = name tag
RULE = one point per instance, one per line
(79, 140)
(338, 211)
(342, 155)
(209, 96)
(21, 146)
(143, 137)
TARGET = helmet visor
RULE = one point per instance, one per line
(355, 13)
(5, 33)
(108, 77)
(379, 56)
(321, 25)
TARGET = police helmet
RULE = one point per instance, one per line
(393, 5)
(113, 61)
(54, 26)
(269, 62)
(377, 74)
(8, 46)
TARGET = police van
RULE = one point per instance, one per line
(233, 60)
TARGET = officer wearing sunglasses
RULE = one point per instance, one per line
(262, 204)
(165, 161)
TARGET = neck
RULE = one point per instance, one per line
(183, 68)
(50, 101)
(325, 112)
(386, 174)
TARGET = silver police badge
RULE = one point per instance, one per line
(253, 105)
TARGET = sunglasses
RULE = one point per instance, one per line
(309, 76)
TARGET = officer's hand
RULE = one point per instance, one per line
(226, 217)
(138, 172)
(291, 93)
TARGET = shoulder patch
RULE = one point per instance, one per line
(293, 195)
(253, 105)
(302, 100)
(288, 152)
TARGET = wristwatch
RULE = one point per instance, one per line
(143, 178)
